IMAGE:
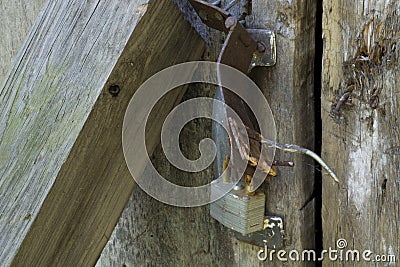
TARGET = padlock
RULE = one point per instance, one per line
(245, 215)
(237, 210)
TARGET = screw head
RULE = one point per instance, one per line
(114, 90)
(261, 47)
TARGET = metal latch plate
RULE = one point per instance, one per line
(271, 236)
(268, 57)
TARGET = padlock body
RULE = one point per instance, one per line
(237, 210)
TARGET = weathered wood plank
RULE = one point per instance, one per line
(361, 56)
(289, 88)
(17, 17)
(151, 233)
(61, 129)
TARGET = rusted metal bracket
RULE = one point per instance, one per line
(272, 235)
(265, 56)
(242, 210)
(243, 49)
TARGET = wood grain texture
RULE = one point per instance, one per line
(361, 56)
(289, 88)
(44, 103)
(61, 130)
(17, 17)
(150, 233)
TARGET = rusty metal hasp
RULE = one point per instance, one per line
(243, 49)
(241, 210)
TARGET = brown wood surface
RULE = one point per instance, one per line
(150, 233)
(57, 112)
(361, 55)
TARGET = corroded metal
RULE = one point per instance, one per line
(242, 209)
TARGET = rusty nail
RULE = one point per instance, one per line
(283, 163)
(230, 23)
(341, 101)
(114, 90)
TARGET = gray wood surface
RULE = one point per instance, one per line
(17, 18)
(64, 181)
(289, 88)
(361, 55)
(150, 233)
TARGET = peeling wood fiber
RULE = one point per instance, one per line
(361, 56)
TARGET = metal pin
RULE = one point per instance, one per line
(283, 163)
(301, 150)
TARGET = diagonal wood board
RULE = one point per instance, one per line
(63, 177)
